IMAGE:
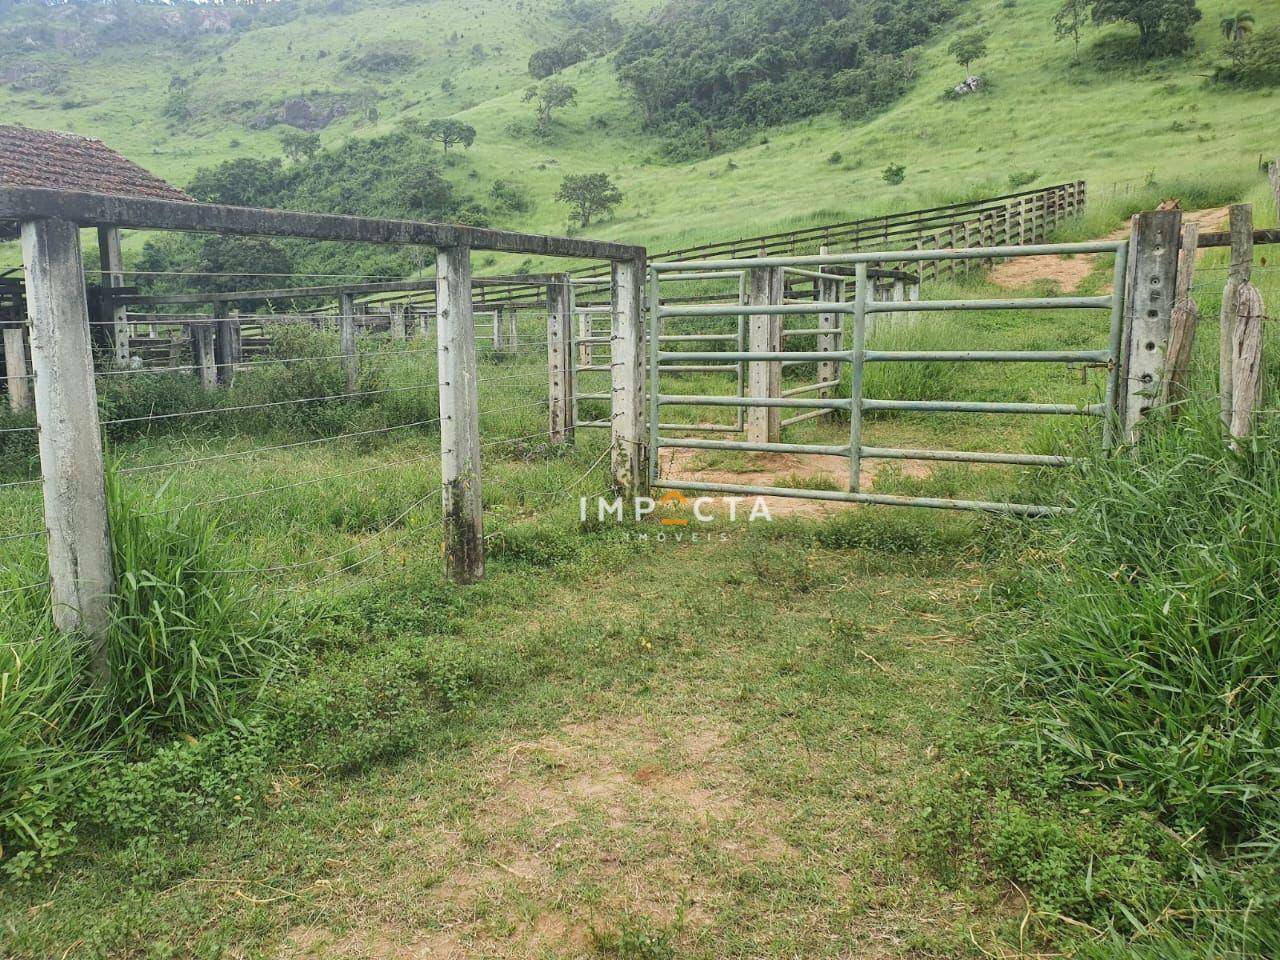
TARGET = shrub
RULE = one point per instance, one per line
(894, 173)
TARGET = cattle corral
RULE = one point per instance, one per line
(356, 449)
(543, 332)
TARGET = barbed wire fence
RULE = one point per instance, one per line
(311, 481)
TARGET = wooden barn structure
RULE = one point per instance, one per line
(49, 159)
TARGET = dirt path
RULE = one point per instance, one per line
(675, 754)
(807, 471)
(1068, 273)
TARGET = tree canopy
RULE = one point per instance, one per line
(737, 64)
(589, 194)
(449, 133)
(1164, 26)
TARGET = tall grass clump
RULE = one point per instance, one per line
(1130, 783)
(1154, 662)
(191, 646)
(916, 380)
(191, 652)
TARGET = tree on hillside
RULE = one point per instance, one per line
(1236, 30)
(1164, 26)
(449, 133)
(299, 146)
(550, 96)
(589, 194)
(1069, 21)
(968, 47)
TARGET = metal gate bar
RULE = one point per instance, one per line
(861, 308)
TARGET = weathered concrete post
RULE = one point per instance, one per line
(899, 296)
(113, 278)
(627, 374)
(1153, 248)
(1182, 331)
(499, 341)
(560, 359)
(399, 331)
(459, 417)
(75, 497)
(513, 328)
(347, 340)
(829, 290)
(226, 344)
(15, 368)
(203, 354)
(764, 335)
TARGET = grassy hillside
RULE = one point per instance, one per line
(1044, 117)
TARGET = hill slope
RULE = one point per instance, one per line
(1042, 117)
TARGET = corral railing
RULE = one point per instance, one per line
(848, 323)
(1015, 218)
(64, 382)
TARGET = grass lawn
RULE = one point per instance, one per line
(666, 757)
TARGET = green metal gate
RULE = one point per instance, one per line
(853, 351)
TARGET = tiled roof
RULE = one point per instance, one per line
(66, 161)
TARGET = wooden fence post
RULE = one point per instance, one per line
(1273, 174)
(829, 290)
(1239, 274)
(71, 463)
(459, 417)
(627, 343)
(1246, 360)
(560, 359)
(112, 278)
(203, 354)
(1182, 332)
(347, 339)
(764, 335)
(1153, 248)
(15, 368)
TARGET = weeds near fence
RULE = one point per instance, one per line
(1130, 791)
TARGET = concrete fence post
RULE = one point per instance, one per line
(226, 344)
(1182, 332)
(112, 264)
(399, 331)
(71, 462)
(459, 417)
(560, 359)
(347, 340)
(1153, 249)
(203, 354)
(627, 375)
(764, 335)
(513, 328)
(15, 368)
(829, 290)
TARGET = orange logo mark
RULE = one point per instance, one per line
(673, 500)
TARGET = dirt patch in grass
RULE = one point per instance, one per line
(1069, 273)
(788, 470)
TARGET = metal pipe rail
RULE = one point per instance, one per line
(858, 355)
